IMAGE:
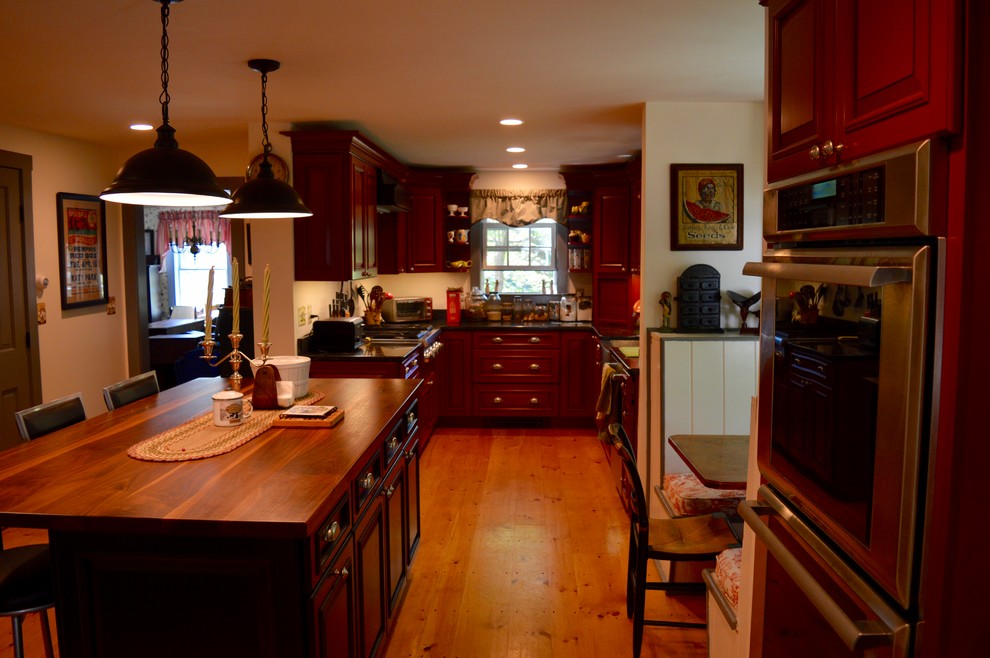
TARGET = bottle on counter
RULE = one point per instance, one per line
(494, 306)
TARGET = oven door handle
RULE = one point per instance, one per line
(856, 635)
(867, 276)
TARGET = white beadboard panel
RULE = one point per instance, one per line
(708, 387)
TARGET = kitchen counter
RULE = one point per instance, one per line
(628, 358)
(517, 326)
(385, 350)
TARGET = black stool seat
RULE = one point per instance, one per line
(25, 579)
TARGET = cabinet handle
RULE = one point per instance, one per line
(407, 369)
(828, 148)
(410, 454)
(534, 401)
(496, 366)
(496, 400)
(331, 533)
(411, 418)
(393, 443)
(839, 148)
(497, 339)
(367, 480)
(815, 153)
(387, 493)
(343, 573)
(535, 339)
(534, 366)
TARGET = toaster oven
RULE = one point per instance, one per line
(407, 309)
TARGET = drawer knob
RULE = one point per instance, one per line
(535, 339)
(343, 573)
(534, 366)
(534, 401)
(815, 153)
(332, 532)
(497, 339)
(411, 418)
(496, 366)
(496, 400)
(393, 443)
(387, 492)
(367, 480)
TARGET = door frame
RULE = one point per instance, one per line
(24, 164)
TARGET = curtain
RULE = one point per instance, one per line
(174, 225)
(518, 207)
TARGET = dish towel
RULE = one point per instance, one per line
(607, 408)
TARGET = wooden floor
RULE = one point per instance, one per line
(523, 555)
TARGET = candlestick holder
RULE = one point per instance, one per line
(235, 357)
(207, 346)
(263, 349)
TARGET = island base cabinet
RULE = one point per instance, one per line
(235, 596)
(334, 612)
(369, 548)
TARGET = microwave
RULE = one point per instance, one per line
(407, 309)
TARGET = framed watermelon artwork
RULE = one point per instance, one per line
(706, 207)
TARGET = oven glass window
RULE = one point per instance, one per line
(825, 376)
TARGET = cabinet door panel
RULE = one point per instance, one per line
(334, 609)
(455, 373)
(369, 542)
(800, 99)
(611, 229)
(613, 304)
(423, 237)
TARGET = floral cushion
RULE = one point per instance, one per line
(728, 569)
(688, 497)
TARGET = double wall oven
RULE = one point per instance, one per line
(848, 354)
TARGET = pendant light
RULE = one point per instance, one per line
(165, 175)
(265, 197)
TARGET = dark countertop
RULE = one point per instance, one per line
(384, 350)
(516, 326)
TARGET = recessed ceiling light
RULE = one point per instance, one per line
(142, 126)
(511, 122)
(520, 166)
(516, 149)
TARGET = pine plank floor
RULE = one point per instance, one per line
(522, 555)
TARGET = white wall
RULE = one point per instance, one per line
(81, 349)
(709, 133)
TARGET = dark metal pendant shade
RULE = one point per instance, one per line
(166, 175)
(265, 198)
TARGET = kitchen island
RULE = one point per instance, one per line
(281, 547)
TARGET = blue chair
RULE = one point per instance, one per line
(190, 366)
(50, 416)
(130, 390)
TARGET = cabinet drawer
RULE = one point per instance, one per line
(535, 366)
(484, 340)
(367, 482)
(332, 534)
(496, 399)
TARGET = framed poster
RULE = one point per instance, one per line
(82, 250)
(706, 202)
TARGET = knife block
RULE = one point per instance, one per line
(265, 395)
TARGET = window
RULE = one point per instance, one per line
(522, 258)
(190, 275)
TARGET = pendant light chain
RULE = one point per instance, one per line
(164, 98)
(264, 115)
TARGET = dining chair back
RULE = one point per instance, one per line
(688, 539)
(130, 390)
(26, 587)
(50, 416)
(191, 365)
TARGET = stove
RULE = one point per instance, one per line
(425, 333)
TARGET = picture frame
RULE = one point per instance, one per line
(82, 250)
(706, 207)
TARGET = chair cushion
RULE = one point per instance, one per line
(690, 537)
(25, 578)
(688, 497)
(728, 571)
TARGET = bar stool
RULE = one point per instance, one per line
(26, 587)
(687, 539)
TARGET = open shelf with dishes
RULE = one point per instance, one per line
(579, 231)
(457, 234)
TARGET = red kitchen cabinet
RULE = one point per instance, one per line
(455, 373)
(424, 231)
(848, 79)
(615, 295)
(336, 175)
(580, 373)
(334, 609)
(371, 569)
(611, 230)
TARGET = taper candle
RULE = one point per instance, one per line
(208, 328)
(267, 293)
(236, 327)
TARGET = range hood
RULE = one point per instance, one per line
(392, 196)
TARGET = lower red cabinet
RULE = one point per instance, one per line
(335, 616)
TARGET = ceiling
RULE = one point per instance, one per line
(427, 80)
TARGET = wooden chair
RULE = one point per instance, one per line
(26, 587)
(130, 390)
(689, 539)
(50, 416)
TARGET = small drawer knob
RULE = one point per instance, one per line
(534, 401)
(496, 400)
(496, 366)
(367, 480)
(535, 339)
(534, 366)
(497, 339)
(332, 532)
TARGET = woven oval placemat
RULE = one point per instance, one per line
(199, 438)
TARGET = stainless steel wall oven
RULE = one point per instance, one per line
(851, 290)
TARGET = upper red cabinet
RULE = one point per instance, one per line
(850, 78)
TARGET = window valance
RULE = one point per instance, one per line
(518, 207)
(175, 225)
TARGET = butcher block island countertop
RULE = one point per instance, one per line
(210, 557)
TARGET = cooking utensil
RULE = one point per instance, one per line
(350, 300)
(840, 301)
(860, 297)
